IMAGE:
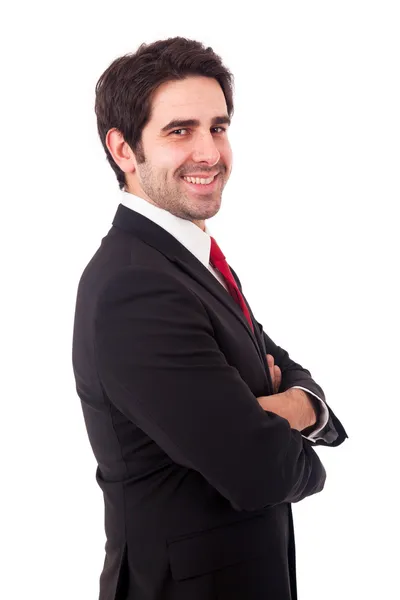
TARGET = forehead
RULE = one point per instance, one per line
(194, 97)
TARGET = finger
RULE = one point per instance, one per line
(270, 361)
(278, 378)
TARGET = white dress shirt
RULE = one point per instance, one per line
(198, 242)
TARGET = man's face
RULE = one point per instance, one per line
(173, 149)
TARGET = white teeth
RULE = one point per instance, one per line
(198, 180)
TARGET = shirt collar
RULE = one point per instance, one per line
(195, 240)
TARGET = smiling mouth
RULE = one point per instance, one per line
(201, 182)
(202, 189)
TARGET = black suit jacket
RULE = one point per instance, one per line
(197, 477)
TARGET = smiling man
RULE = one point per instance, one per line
(202, 427)
(183, 162)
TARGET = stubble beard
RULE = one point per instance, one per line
(172, 198)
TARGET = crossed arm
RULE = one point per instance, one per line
(159, 364)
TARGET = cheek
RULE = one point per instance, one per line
(170, 158)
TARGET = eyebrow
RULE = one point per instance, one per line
(179, 123)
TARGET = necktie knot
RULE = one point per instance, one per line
(216, 254)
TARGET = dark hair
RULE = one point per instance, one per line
(124, 91)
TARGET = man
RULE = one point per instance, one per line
(202, 441)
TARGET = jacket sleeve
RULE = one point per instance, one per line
(160, 365)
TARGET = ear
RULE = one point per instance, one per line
(120, 151)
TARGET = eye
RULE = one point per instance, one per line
(223, 129)
(176, 130)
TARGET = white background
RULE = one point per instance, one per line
(309, 222)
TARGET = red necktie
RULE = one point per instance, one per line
(217, 259)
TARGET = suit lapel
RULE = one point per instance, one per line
(157, 237)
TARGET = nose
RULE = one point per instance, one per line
(205, 150)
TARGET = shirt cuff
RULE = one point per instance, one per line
(323, 418)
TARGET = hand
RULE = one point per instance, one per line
(293, 405)
(276, 374)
